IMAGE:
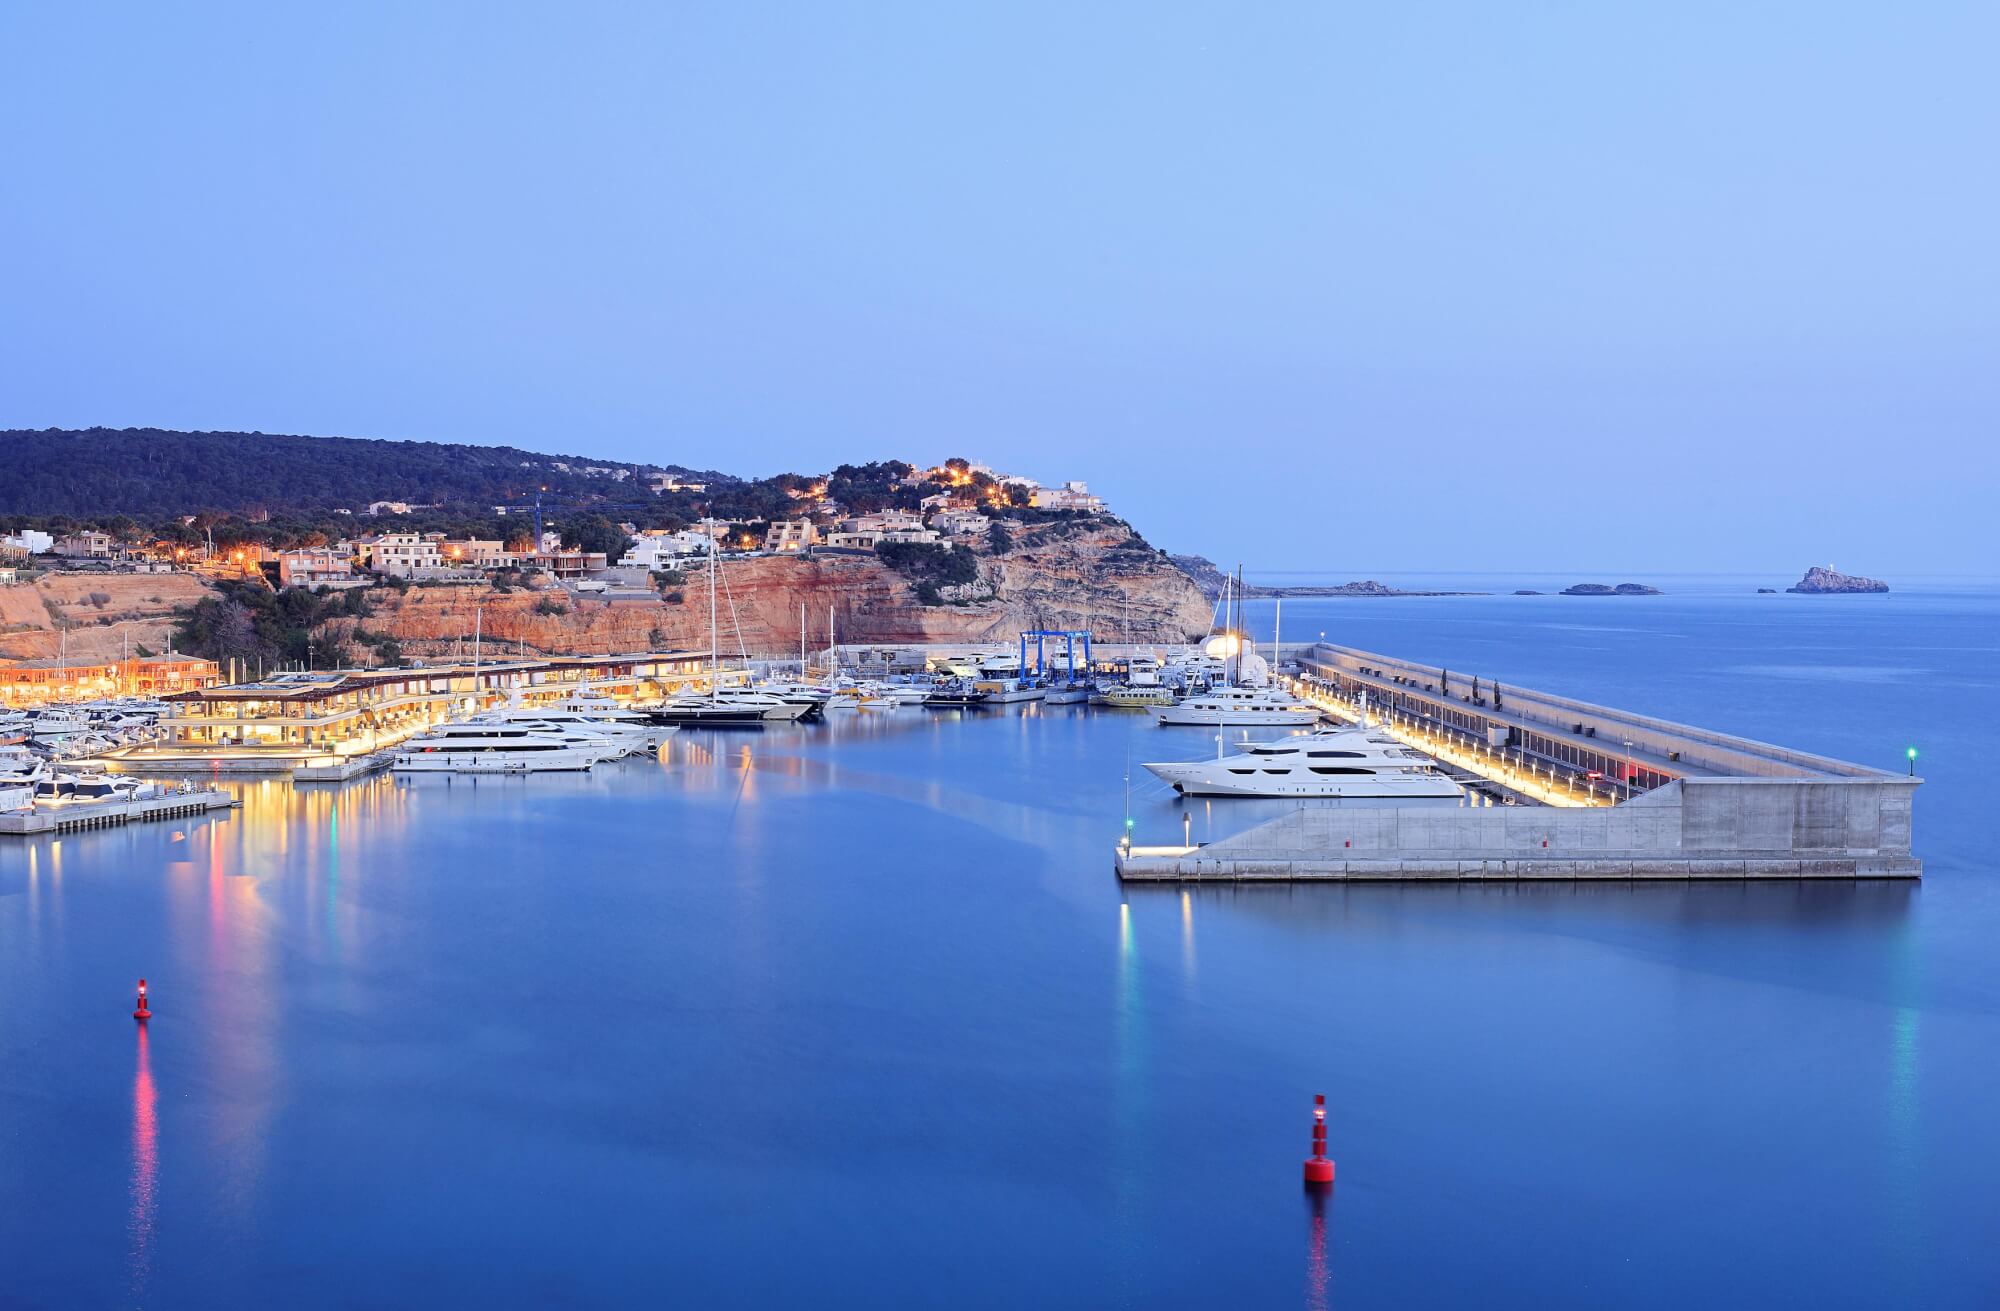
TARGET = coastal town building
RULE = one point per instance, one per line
(959, 523)
(476, 553)
(568, 562)
(9, 575)
(667, 482)
(791, 535)
(664, 550)
(86, 546)
(400, 555)
(318, 566)
(1069, 496)
(388, 507)
(32, 541)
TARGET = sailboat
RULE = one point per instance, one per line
(713, 708)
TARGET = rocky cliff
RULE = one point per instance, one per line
(102, 612)
(1822, 580)
(1082, 574)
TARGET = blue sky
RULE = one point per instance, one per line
(1612, 287)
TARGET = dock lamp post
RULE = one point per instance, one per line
(1912, 754)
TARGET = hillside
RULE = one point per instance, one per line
(1096, 577)
(146, 472)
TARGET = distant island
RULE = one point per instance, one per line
(1209, 577)
(1603, 589)
(1826, 580)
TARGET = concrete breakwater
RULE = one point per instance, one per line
(1698, 804)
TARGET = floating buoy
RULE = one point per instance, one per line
(142, 1013)
(1319, 1170)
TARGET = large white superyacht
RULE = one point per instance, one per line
(497, 748)
(1343, 762)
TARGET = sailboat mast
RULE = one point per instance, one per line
(1238, 678)
(714, 642)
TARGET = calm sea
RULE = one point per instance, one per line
(856, 1015)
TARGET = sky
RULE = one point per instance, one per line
(1356, 287)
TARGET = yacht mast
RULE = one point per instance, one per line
(714, 647)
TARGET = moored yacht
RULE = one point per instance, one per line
(1233, 706)
(1141, 686)
(495, 748)
(1348, 762)
(617, 739)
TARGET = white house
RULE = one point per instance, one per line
(1069, 496)
(401, 555)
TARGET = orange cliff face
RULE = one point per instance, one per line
(104, 614)
(1096, 578)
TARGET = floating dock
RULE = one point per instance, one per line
(1633, 798)
(342, 768)
(76, 816)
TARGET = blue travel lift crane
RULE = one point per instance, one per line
(1070, 637)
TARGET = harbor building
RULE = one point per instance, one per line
(42, 682)
(284, 720)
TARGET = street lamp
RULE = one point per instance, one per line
(1911, 752)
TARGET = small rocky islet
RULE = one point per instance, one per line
(1825, 580)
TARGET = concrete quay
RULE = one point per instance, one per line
(1697, 804)
(75, 816)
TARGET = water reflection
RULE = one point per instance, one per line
(1319, 1273)
(145, 1170)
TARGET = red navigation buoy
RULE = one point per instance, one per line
(143, 1013)
(1319, 1170)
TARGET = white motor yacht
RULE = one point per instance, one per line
(63, 788)
(1233, 706)
(492, 748)
(617, 739)
(20, 767)
(1348, 762)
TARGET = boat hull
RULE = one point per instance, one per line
(1186, 716)
(1204, 779)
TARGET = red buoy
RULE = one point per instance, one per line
(1319, 1170)
(143, 1013)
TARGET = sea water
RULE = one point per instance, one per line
(857, 1015)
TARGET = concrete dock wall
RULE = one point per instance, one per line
(1694, 828)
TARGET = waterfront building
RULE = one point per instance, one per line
(40, 682)
(284, 719)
